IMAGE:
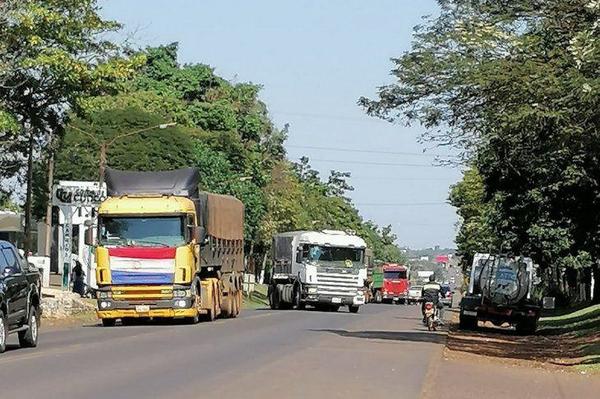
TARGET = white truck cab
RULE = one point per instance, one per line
(325, 269)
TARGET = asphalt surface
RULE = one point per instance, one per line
(379, 352)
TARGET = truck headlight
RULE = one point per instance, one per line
(103, 294)
(312, 290)
(181, 303)
(104, 304)
(181, 293)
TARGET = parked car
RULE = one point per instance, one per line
(446, 295)
(414, 293)
(20, 294)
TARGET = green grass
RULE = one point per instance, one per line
(257, 299)
(579, 322)
(582, 325)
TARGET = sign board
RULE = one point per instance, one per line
(70, 196)
(74, 194)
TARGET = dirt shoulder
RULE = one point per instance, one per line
(569, 342)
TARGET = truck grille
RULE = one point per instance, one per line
(337, 284)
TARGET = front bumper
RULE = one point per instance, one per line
(177, 307)
(336, 300)
(395, 297)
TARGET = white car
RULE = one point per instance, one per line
(414, 293)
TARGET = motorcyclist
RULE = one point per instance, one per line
(432, 292)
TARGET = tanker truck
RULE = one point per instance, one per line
(325, 269)
(500, 291)
(164, 249)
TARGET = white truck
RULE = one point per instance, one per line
(325, 269)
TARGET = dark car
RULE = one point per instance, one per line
(20, 294)
(446, 295)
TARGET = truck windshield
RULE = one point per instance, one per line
(399, 275)
(342, 256)
(160, 231)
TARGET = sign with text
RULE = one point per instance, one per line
(85, 194)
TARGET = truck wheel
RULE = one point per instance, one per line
(378, 297)
(3, 332)
(298, 304)
(527, 326)
(467, 322)
(196, 305)
(273, 297)
(109, 322)
(353, 308)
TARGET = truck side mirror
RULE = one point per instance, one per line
(198, 234)
(89, 237)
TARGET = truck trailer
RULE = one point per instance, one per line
(500, 291)
(325, 269)
(164, 249)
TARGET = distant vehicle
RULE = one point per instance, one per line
(325, 269)
(500, 291)
(423, 275)
(390, 283)
(20, 293)
(414, 293)
(446, 295)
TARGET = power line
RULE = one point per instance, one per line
(330, 116)
(397, 178)
(398, 204)
(374, 163)
(309, 147)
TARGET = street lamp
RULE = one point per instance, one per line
(105, 144)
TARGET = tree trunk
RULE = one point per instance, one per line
(28, 199)
(596, 290)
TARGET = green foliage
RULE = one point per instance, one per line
(514, 87)
(475, 233)
(156, 149)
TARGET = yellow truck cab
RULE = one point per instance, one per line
(165, 249)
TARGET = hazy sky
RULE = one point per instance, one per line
(315, 58)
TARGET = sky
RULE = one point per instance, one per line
(314, 59)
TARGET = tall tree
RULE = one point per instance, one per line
(52, 53)
(514, 87)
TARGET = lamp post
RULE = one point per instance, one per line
(103, 145)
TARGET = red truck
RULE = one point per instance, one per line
(390, 283)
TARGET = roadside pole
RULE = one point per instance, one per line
(67, 245)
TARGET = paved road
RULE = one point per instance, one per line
(286, 354)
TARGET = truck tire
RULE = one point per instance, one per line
(467, 322)
(197, 301)
(298, 304)
(527, 326)
(109, 322)
(273, 297)
(3, 332)
(378, 297)
(353, 308)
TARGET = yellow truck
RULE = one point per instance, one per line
(164, 249)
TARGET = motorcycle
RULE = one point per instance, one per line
(431, 319)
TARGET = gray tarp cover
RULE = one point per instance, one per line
(221, 215)
(180, 182)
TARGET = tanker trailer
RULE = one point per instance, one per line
(500, 291)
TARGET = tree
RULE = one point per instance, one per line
(513, 86)
(475, 232)
(52, 53)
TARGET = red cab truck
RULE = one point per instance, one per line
(390, 283)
